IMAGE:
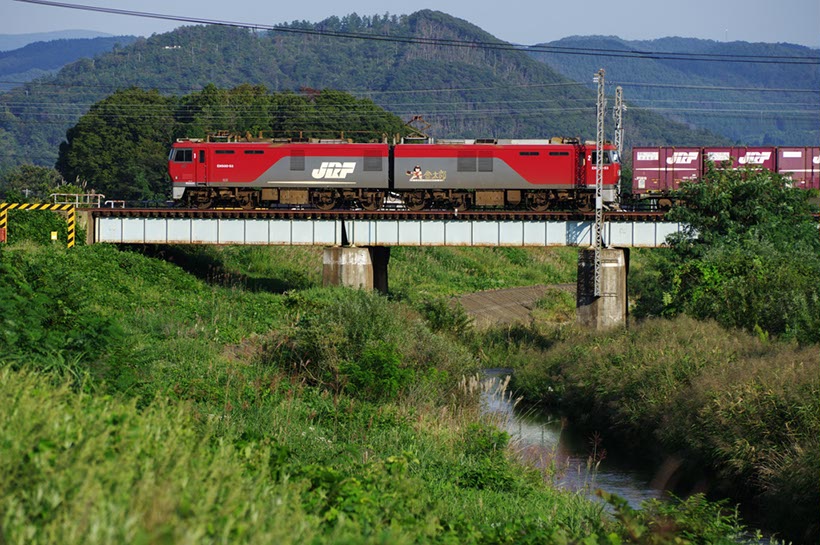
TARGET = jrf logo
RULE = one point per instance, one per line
(816, 160)
(682, 158)
(334, 171)
(755, 157)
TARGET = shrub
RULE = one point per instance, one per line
(37, 225)
(447, 316)
(359, 342)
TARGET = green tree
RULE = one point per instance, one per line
(119, 147)
(750, 257)
(29, 182)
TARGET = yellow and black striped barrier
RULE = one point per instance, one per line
(69, 209)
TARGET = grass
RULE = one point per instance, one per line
(746, 408)
(186, 401)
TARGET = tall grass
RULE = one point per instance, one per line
(747, 408)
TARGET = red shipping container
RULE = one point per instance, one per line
(661, 169)
(741, 157)
(802, 165)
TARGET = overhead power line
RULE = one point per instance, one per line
(495, 45)
(187, 88)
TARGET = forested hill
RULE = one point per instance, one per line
(39, 58)
(16, 41)
(462, 92)
(685, 90)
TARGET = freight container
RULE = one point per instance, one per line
(801, 165)
(662, 169)
(741, 157)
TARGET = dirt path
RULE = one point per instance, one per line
(508, 306)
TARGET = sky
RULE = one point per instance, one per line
(525, 22)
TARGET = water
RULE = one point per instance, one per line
(578, 462)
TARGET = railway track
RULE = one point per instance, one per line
(386, 215)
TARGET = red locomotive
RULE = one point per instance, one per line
(454, 174)
(659, 170)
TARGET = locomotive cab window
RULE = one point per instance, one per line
(183, 155)
(607, 158)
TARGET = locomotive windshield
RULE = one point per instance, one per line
(610, 157)
(182, 155)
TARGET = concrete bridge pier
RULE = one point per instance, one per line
(610, 309)
(356, 267)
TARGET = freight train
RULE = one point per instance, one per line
(657, 171)
(446, 174)
(538, 175)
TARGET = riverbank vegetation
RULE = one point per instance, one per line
(720, 377)
(149, 400)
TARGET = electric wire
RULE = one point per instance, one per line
(495, 45)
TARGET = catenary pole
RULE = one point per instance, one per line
(599, 181)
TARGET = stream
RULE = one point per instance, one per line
(577, 461)
(549, 441)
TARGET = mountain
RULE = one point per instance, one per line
(715, 95)
(16, 41)
(41, 58)
(463, 92)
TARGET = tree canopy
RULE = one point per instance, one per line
(26, 181)
(750, 258)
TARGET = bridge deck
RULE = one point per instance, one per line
(375, 229)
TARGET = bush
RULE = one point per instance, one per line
(37, 225)
(750, 260)
(447, 316)
(358, 342)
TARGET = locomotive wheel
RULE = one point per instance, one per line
(203, 201)
(325, 200)
(326, 204)
(372, 200)
(247, 201)
(538, 201)
(415, 200)
(459, 202)
(585, 204)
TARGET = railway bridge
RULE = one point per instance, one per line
(357, 243)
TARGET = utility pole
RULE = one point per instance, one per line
(618, 115)
(599, 180)
(618, 112)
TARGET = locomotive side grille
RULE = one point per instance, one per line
(372, 164)
(466, 163)
(485, 164)
(297, 160)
